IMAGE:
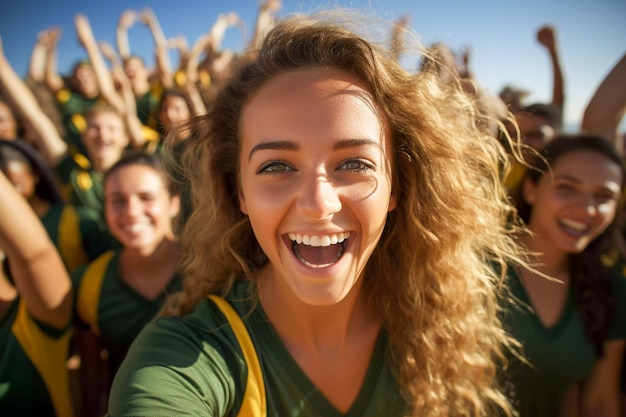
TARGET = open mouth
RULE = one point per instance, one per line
(319, 251)
(573, 227)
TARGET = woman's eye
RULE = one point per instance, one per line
(356, 165)
(274, 167)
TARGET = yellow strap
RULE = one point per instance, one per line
(48, 355)
(253, 404)
(89, 290)
(70, 239)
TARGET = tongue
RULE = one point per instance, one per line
(318, 255)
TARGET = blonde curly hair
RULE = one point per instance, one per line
(432, 275)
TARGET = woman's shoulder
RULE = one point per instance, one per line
(190, 362)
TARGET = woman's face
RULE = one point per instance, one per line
(174, 112)
(22, 178)
(86, 81)
(139, 208)
(8, 124)
(575, 204)
(315, 180)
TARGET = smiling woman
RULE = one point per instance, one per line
(349, 212)
(572, 327)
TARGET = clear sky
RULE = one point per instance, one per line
(500, 33)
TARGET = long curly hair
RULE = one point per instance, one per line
(591, 270)
(431, 275)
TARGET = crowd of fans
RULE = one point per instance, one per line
(94, 200)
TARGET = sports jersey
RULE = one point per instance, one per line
(82, 185)
(110, 307)
(78, 236)
(72, 106)
(193, 365)
(561, 355)
(33, 377)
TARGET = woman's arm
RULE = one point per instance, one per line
(133, 124)
(36, 267)
(600, 396)
(164, 66)
(49, 141)
(105, 81)
(52, 78)
(607, 107)
(547, 37)
(127, 19)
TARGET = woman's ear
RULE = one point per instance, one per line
(174, 206)
(242, 202)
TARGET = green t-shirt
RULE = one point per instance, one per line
(121, 311)
(82, 185)
(33, 376)
(561, 355)
(77, 234)
(193, 366)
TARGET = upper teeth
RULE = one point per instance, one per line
(574, 224)
(325, 240)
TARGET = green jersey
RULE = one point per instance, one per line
(82, 185)
(194, 366)
(33, 378)
(110, 307)
(561, 355)
(77, 234)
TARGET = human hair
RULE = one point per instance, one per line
(151, 160)
(98, 109)
(590, 270)
(19, 151)
(431, 276)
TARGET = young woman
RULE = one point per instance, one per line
(35, 315)
(346, 209)
(78, 236)
(571, 317)
(119, 292)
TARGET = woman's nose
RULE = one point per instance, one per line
(319, 198)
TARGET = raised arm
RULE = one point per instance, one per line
(398, 32)
(547, 37)
(105, 81)
(49, 141)
(133, 124)
(607, 107)
(164, 66)
(264, 23)
(127, 19)
(39, 54)
(36, 267)
(50, 39)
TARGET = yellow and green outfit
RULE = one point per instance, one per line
(72, 106)
(78, 235)
(195, 365)
(82, 185)
(111, 308)
(33, 377)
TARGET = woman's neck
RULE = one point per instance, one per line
(544, 257)
(321, 327)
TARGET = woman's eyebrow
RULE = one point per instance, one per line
(351, 143)
(281, 145)
(285, 145)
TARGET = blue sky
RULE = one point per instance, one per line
(500, 33)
